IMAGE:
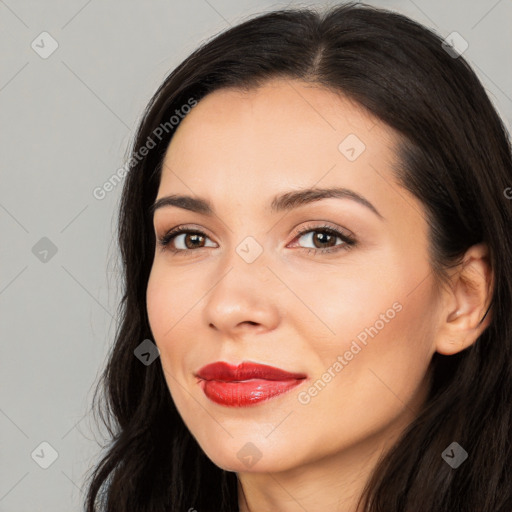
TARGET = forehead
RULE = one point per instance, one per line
(300, 101)
(288, 108)
(284, 133)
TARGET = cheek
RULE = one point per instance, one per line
(364, 387)
(173, 306)
(345, 302)
(164, 312)
(380, 344)
(385, 353)
(169, 298)
(157, 301)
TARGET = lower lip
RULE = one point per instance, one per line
(245, 393)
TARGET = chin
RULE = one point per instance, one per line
(249, 457)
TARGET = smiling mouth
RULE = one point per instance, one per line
(246, 384)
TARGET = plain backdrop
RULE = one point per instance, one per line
(67, 119)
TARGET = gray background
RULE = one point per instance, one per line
(66, 123)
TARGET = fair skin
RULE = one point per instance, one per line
(296, 310)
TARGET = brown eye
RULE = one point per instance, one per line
(183, 240)
(324, 239)
(193, 240)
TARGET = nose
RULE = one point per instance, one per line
(244, 299)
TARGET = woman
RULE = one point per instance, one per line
(316, 237)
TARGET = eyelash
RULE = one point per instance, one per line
(165, 241)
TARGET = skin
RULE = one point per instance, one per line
(300, 311)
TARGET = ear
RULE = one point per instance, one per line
(465, 314)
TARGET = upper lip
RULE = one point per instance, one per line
(244, 371)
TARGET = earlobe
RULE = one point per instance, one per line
(467, 313)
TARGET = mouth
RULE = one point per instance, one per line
(246, 384)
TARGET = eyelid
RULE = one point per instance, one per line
(324, 225)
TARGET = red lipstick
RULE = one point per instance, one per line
(245, 384)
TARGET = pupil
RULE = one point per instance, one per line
(320, 235)
(195, 238)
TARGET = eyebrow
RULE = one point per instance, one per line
(280, 203)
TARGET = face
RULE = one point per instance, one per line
(336, 290)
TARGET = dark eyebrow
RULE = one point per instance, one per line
(280, 203)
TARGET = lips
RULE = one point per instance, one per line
(244, 371)
(245, 384)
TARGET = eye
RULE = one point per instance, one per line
(188, 239)
(323, 238)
